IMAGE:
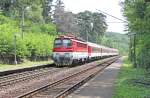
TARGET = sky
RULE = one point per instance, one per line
(109, 6)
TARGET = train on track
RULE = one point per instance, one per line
(69, 50)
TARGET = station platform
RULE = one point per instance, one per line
(101, 86)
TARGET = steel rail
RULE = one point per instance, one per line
(80, 83)
(34, 92)
(25, 77)
(14, 71)
(9, 80)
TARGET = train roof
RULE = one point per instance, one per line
(100, 46)
(95, 45)
(71, 37)
(85, 42)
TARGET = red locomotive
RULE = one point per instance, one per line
(68, 50)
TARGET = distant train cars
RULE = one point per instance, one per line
(68, 50)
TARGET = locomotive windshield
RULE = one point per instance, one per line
(62, 43)
(58, 43)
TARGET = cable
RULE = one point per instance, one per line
(113, 16)
(114, 22)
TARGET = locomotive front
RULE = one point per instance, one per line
(63, 51)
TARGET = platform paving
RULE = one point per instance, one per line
(101, 86)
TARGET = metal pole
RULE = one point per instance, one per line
(133, 53)
(87, 39)
(134, 38)
(11, 14)
(130, 49)
(15, 61)
(86, 36)
(22, 25)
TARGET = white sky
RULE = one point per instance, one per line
(109, 6)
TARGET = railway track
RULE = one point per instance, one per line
(11, 80)
(17, 71)
(12, 77)
(66, 85)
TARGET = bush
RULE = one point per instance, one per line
(143, 52)
(39, 44)
(45, 28)
(33, 45)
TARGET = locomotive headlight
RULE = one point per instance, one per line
(55, 55)
(67, 55)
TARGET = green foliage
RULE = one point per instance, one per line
(92, 25)
(36, 43)
(34, 10)
(46, 28)
(7, 31)
(30, 18)
(138, 15)
(116, 40)
(7, 45)
(34, 13)
(46, 5)
(127, 86)
(143, 51)
(39, 44)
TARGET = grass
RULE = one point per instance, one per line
(4, 67)
(127, 86)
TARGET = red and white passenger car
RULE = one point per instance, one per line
(68, 50)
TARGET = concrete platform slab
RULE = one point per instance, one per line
(100, 86)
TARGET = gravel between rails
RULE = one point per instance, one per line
(19, 86)
(52, 92)
(56, 89)
(23, 88)
(36, 83)
(26, 77)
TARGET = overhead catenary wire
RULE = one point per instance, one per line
(113, 16)
(114, 22)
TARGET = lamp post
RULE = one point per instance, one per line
(91, 26)
(15, 59)
(15, 47)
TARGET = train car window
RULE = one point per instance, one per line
(57, 43)
(81, 45)
(66, 43)
(94, 49)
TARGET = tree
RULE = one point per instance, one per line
(99, 25)
(5, 6)
(65, 21)
(138, 13)
(58, 15)
(47, 7)
(91, 25)
(32, 9)
(69, 23)
(84, 23)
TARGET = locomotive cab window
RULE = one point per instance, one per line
(66, 43)
(62, 43)
(57, 43)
